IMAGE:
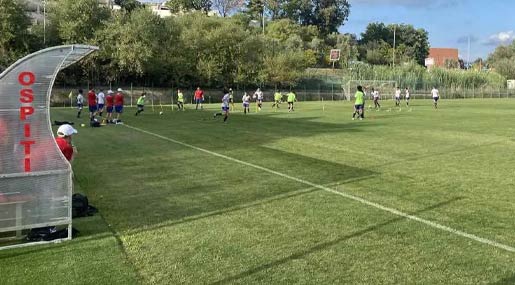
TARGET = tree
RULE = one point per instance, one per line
(502, 60)
(128, 5)
(413, 44)
(186, 5)
(77, 20)
(133, 44)
(224, 7)
(14, 31)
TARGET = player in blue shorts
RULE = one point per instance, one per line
(225, 106)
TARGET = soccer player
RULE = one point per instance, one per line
(141, 103)
(109, 106)
(291, 99)
(64, 141)
(101, 102)
(80, 103)
(277, 99)
(231, 99)
(259, 98)
(180, 100)
(246, 102)
(118, 103)
(225, 106)
(92, 103)
(359, 103)
(407, 96)
(199, 98)
(398, 97)
(375, 95)
(436, 96)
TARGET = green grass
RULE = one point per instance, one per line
(172, 214)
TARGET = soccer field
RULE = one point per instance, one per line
(418, 196)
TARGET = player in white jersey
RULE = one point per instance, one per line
(436, 96)
(225, 106)
(246, 103)
(80, 103)
(375, 96)
(100, 102)
(398, 97)
(407, 96)
(258, 95)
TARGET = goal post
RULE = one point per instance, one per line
(386, 88)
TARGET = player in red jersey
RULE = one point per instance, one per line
(199, 98)
(92, 103)
(109, 106)
(118, 103)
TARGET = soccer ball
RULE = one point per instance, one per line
(160, 113)
(82, 125)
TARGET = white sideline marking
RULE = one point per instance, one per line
(343, 194)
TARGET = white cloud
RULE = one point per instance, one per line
(500, 38)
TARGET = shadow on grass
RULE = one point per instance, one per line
(138, 180)
(166, 200)
(505, 281)
(325, 245)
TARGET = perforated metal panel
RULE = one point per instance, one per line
(35, 178)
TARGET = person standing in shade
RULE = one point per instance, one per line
(101, 102)
(359, 103)
(199, 98)
(141, 104)
(64, 141)
(291, 99)
(118, 103)
(436, 97)
(180, 100)
(80, 103)
(92, 104)
(109, 106)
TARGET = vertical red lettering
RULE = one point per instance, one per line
(27, 130)
(25, 112)
(27, 164)
(27, 146)
(26, 78)
(26, 96)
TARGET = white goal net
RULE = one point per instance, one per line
(386, 88)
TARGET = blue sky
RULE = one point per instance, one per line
(489, 23)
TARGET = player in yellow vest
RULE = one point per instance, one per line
(180, 100)
(359, 103)
(277, 99)
(291, 98)
(141, 104)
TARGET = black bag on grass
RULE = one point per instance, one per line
(49, 233)
(81, 206)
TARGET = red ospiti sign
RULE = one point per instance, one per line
(26, 79)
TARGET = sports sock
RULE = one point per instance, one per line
(225, 118)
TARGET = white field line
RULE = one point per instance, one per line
(343, 194)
